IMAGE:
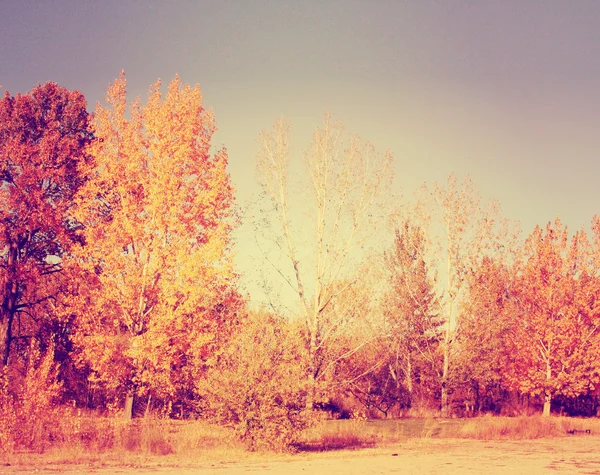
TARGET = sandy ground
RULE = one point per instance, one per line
(574, 455)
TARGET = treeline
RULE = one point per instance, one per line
(119, 292)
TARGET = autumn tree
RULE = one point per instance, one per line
(411, 310)
(555, 338)
(401, 366)
(347, 181)
(459, 232)
(158, 214)
(43, 140)
(354, 354)
(483, 343)
(365, 377)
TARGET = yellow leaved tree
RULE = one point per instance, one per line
(158, 215)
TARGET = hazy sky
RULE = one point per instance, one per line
(507, 91)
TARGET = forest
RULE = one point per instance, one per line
(120, 295)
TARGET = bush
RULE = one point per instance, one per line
(257, 385)
(28, 414)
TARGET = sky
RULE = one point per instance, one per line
(505, 91)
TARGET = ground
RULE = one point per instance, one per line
(564, 455)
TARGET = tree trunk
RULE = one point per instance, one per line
(129, 399)
(311, 325)
(6, 339)
(445, 410)
(312, 383)
(310, 393)
(547, 403)
(409, 380)
(148, 406)
(548, 394)
(9, 305)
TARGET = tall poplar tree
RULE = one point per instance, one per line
(348, 182)
(159, 211)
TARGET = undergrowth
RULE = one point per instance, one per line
(80, 438)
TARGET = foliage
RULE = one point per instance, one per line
(158, 213)
(532, 327)
(257, 386)
(459, 232)
(43, 140)
(554, 340)
(117, 281)
(483, 342)
(29, 412)
(372, 381)
(412, 316)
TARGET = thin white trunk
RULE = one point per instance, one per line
(548, 393)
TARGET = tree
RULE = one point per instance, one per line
(158, 213)
(347, 182)
(412, 312)
(555, 339)
(370, 378)
(353, 355)
(483, 343)
(44, 136)
(460, 233)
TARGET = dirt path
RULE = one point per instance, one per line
(575, 455)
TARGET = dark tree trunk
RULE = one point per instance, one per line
(9, 305)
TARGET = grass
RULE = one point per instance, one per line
(95, 440)
(525, 427)
(337, 435)
(103, 441)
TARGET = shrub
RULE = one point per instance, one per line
(257, 385)
(28, 415)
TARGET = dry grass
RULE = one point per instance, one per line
(338, 435)
(106, 441)
(356, 434)
(88, 439)
(525, 427)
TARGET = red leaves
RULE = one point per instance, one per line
(43, 140)
(549, 313)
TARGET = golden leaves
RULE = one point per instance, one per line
(159, 214)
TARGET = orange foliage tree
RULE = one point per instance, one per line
(555, 340)
(158, 213)
(483, 342)
(43, 139)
